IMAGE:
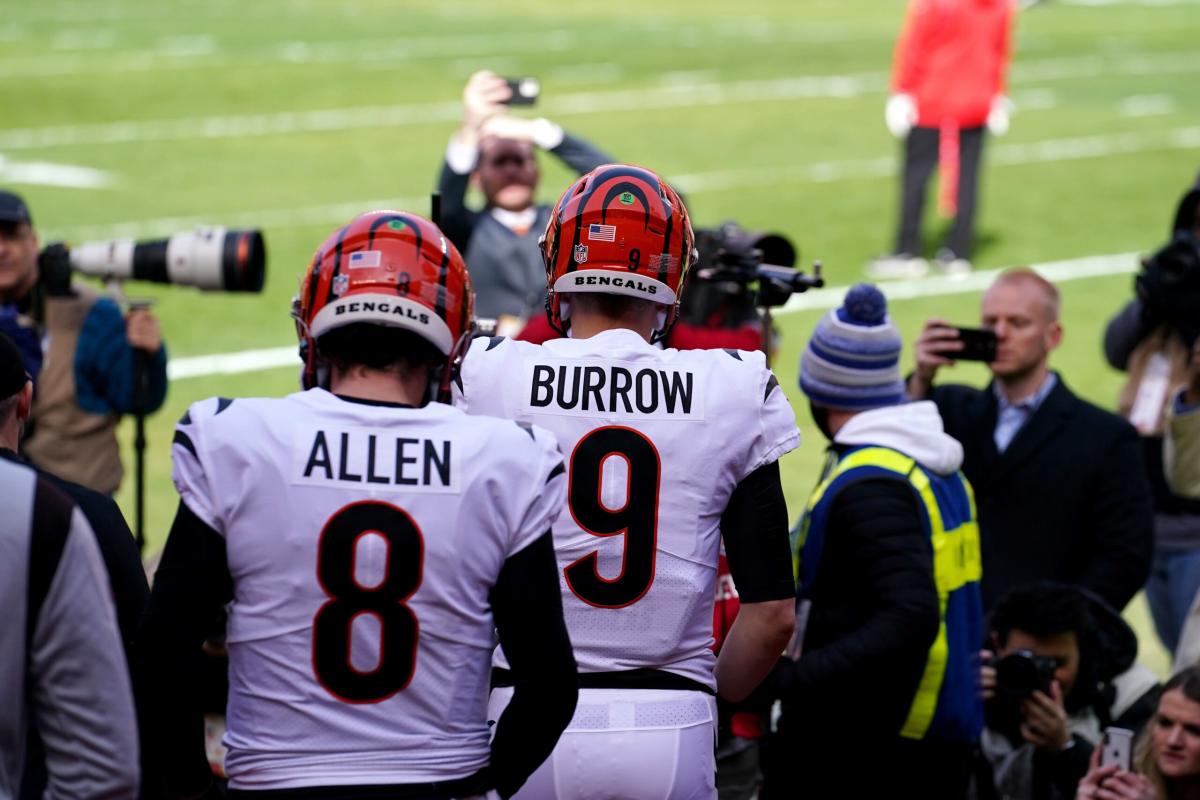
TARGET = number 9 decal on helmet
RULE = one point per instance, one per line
(619, 229)
(387, 268)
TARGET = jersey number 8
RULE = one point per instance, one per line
(637, 519)
(333, 624)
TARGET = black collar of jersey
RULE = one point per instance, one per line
(364, 401)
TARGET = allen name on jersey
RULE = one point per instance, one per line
(365, 456)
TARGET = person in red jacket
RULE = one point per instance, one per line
(947, 87)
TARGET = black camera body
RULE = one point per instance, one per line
(1023, 672)
(739, 271)
(1169, 284)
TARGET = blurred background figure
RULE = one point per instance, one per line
(1181, 447)
(62, 675)
(122, 562)
(82, 353)
(495, 151)
(947, 86)
(1050, 689)
(1152, 338)
(1166, 762)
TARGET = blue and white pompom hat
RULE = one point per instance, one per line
(852, 361)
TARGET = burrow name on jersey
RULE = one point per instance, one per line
(618, 281)
(374, 459)
(601, 389)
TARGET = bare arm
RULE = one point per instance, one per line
(758, 636)
(754, 527)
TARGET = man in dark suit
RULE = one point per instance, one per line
(1059, 483)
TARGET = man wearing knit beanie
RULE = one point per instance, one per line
(886, 626)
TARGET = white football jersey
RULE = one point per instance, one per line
(363, 541)
(656, 441)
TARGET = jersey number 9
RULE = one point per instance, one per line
(637, 519)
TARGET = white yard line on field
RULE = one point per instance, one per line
(1007, 155)
(1057, 271)
(44, 173)
(689, 95)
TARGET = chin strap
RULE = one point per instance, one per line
(559, 325)
(666, 321)
(445, 375)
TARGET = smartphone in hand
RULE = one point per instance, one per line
(525, 91)
(1117, 748)
(978, 344)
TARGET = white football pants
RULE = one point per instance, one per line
(628, 744)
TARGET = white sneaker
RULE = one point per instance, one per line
(946, 263)
(898, 265)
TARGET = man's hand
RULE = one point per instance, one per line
(1045, 720)
(540, 132)
(484, 97)
(142, 331)
(937, 339)
(1191, 395)
(504, 126)
(987, 675)
(900, 114)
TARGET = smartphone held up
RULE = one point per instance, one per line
(978, 344)
(525, 91)
(1117, 748)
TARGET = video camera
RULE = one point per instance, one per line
(1169, 284)
(212, 259)
(739, 271)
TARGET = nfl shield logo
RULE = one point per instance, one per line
(580, 253)
(340, 284)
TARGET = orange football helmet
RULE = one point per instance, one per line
(619, 229)
(385, 268)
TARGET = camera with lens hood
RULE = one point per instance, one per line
(208, 258)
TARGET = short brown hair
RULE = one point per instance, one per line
(1025, 275)
(610, 305)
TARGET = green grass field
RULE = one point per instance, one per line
(293, 116)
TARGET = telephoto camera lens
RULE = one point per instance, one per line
(213, 259)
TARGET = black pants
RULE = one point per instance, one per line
(857, 766)
(920, 159)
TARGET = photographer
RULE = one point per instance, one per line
(1049, 689)
(81, 352)
(1151, 339)
(1060, 485)
(495, 151)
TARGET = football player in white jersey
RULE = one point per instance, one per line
(668, 450)
(368, 545)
